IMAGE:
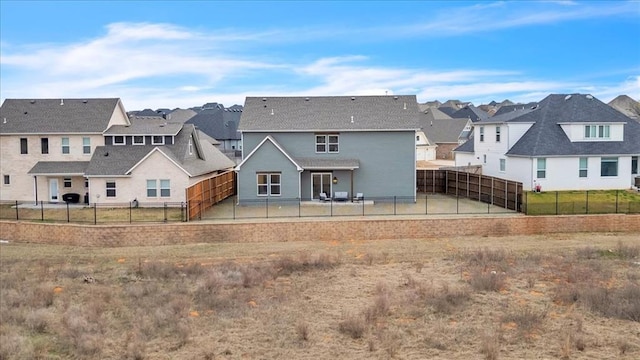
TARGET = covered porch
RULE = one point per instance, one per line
(329, 177)
(56, 181)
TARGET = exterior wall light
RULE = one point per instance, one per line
(335, 180)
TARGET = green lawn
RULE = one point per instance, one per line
(582, 202)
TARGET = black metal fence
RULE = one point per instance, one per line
(423, 204)
(581, 202)
(131, 212)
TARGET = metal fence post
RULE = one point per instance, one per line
(426, 204)
(130, 209)
(587, 203)
(299, 207)
(556, 202)
(234, 209)
(394, 205)
(68, 220)
(182, 211)
(41, 210)
(165, 211)
(17, 212)
(95, 214)
(617, 201)
(267, 206)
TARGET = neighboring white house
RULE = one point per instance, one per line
(89, 147)
(564, 142)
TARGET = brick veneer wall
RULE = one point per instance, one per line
(311, 229)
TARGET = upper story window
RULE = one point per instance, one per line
(65, 145)
(24, 148)
(138, 140)
(327, 143)
(481, 133)
(157, 140)
(118, 140)
(86, 145)
(6, 180)
(190, 146)
(597, 132)
(44, 145)
(497, 133)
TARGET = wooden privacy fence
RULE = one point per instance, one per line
(208, 192)
(488, 189)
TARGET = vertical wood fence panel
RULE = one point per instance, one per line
(208, 192)
(487, 189)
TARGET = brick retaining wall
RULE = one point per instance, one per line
(311, 229)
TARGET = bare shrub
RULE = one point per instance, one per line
(625, 251)
(486, 257)
(624, 345)
(622, 303)
(566, 294)
(353, 326)
(135, 347)
(391, 342)
(158, 270)
(487, 281)
(302, 329)
(368, 258)
(38, 320)
(525, 317)
(566, 345)
(446, 300)
(15, 347)
(588, 253)
(381, 307)
(40, 296)
(490, 346)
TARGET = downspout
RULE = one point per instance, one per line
(300, 184)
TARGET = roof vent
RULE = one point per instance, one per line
(395, 98)
(352, 119)
(61, 101)
(306, 99)
(32, 101)
(25, 113)
(353, 98)
(106, 153)
(272, 112)
(567, 97)
(405, 106)
(589, 97)
(4, 120)
(264, 99)
(84, 101)
(534, 107)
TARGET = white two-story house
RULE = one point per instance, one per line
(564, 142)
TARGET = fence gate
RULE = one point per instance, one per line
(208, 192)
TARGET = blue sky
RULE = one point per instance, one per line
(182, 54)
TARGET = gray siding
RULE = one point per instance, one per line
(267, 159)
(387, 161)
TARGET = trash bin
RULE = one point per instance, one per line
(71, 198)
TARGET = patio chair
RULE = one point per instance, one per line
(324, 197)
(358, 197)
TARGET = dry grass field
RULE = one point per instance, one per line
(572, 296)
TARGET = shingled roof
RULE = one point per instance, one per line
(219, 123)
(52, 116)
(330, 113)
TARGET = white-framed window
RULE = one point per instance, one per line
(597, 131)
(328, 143)
(503, 165)
(634, 165)
(609, 166)
(65, 145)
(157, 140)
(481, 133)
(269, 184)
(165, 188)
(86, 145)
(24, 146)
(138, 140)
(44, 145)
(584, 167)
(497, 133)
(152, 188)
(118, 140)
(6, 180)
(541, 168)
(67, 182)
(111, 189)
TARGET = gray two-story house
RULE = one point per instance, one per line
(300, 147)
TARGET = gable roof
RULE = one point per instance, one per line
(444, 131)
(546, 137)
(51, 116)
(509, 108)
(59, 168)
(278, 146)
(122, 160)
(330, 113)
(219, 123)
(471, 112)
(146, 127)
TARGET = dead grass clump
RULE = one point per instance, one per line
(625, 251)
(490, 346)
(485, 257)
(352, 325)
(158, 270)
(15, 347)
(566, 294)
(380, 307)
(39, 296)
(304, 262)
(525, 317)
(487, 281)
(446, 300)
(302, 329)
(135, 346)
(622, 303)
(588, 253)
(38, 320)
